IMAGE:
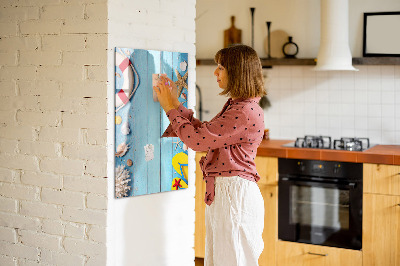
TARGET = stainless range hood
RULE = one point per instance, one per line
(334, 51)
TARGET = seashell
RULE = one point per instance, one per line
(129, 162)
(125, 128)
(121, 149)
(183, 66)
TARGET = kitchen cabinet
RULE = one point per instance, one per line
(200, 207)
(290, 253)
(267, 168)
(381, 179)
(381, 215)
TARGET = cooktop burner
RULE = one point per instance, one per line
(324, 142)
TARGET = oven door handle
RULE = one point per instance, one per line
(329, 184)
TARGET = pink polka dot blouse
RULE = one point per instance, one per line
(231, 139)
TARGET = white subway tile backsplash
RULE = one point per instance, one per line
(338, 104)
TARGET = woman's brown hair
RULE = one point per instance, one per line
(245, 78)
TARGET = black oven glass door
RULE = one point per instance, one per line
(320, 212)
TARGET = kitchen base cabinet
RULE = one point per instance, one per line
(382, 179)
(298, 254)
(200, 207)
(381, 230)
(270, 233)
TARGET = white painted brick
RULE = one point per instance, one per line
(25, 262)
(19, 43)
(61, 259)
(38, 209)
(40, 58)
(19, 221)
(8, 117)
(18, 191)
(84, 216)
(89, 57)
(75, 230)
(97, 121)
(97, 234)
(94, 201)
(8, 145)
(7, 175)
(19, 13)
(97, 73)
(40, 148)
(19, 161)
(7, 88)
(88, 88)
(39, 87)
(85, 152)
(18, 250)
(60, 73)
(34, 239)
(41, 179)
(84, 247)
(16, 132)
(62, 166)
(86, 184)
(65, 42)
(96, 42)
(100, 260)
(8, 58)
(66, 135)
(40, 27)
(72, 105)
(84, 26)
(98, 169)
(53, 12)
(18, 72)
(96, 11)
(8, 234)
(8, 205)
(8, 261)
(21, 102)
(63, 197)
(38, 118)
(53, 227)
(93, 136)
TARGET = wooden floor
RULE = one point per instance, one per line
(199, 262)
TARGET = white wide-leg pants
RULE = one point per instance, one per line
(234, 223)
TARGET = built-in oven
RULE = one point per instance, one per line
(320, 202)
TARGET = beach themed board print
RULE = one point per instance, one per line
(145, 163)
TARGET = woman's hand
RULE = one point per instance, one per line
(164, 91)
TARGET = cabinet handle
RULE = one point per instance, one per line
(318, 254)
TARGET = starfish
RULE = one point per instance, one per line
(181, 82)
(178, 142)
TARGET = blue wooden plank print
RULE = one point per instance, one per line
(145, 163)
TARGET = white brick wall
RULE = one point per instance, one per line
(53, 73)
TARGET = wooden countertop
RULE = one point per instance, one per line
(379, 154)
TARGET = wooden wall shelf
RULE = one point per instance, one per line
(312, 61)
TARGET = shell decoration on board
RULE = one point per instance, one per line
(121, 182)
(125, 128)
(122, 149)
(123, 96)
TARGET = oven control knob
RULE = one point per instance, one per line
(336, 169)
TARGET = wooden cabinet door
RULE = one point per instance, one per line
(381, 179)
(381, 230)
(200, 207)
(270, 233)
(297, 254)
(267, 168)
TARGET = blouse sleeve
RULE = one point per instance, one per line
(225, 130)
(186, 113)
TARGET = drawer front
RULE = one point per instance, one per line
(381, 179)
(293, 254)
(267, 168)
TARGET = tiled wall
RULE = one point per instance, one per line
(338, 104)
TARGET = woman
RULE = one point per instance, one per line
(235, 207)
